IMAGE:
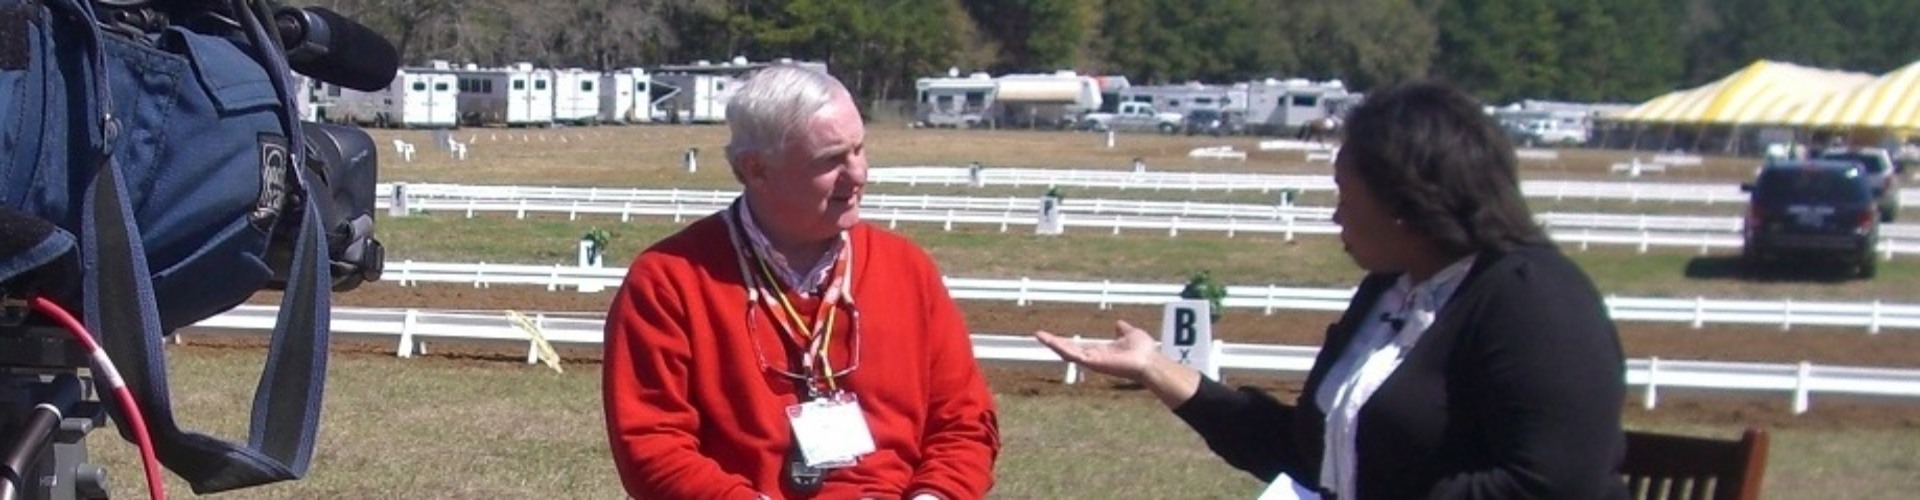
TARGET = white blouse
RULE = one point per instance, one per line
(1396, 322)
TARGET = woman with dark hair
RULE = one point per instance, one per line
(1475, 360)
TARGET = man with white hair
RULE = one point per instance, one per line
(783, 349)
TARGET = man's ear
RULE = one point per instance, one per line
(749, 169)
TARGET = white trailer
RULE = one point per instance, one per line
(1283, 107)
(515, 96)
(1191, 96)
(694, 98)
(626, 96)
(415, 99)
(1055, 100)
(953, 101)
(698, 92)
(306, 98)
(576, 97)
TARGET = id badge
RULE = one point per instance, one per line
(831, 431)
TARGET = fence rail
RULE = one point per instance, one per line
(453, 195)
(1709, 193)
(1644, 232)
(1698, 311)
(413, 327)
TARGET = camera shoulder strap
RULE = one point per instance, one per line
(118, 299)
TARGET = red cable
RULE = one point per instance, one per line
(103, 370)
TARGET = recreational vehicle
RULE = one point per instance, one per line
(576, 99)
(515, 96)
(1054, 100)
(626, 96)
(415, 99)
(953, 101)
(1181, 99)
(1285, 107)
(1110, 88)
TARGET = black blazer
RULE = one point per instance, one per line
(1514, 392)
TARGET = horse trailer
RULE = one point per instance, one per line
(576, 100)
(415, 99)
(515, 96)
(698, 92)
(626, 96)
(1284, 107)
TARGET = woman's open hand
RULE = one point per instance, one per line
(1127, 356)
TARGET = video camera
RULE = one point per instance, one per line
(154, 172)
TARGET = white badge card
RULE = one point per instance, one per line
(832, 431)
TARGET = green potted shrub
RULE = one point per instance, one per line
(1202, 286)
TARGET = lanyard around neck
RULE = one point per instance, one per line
(766, 290)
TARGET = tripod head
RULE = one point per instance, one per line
(46, 411)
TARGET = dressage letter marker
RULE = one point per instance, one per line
(1187, 337)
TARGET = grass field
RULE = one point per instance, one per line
(652, 156)
(441, 428)
(458, 427)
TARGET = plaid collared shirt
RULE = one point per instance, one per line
(808, 284)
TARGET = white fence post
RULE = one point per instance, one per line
(1699, 311)
(1213, 366)
(1651, 395)
(407, 325)
(406, 274)
(1800, 402)
(1873, 319)
(1272, 297)
(1073, 369)
(1786, 314)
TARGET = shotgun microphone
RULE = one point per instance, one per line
(331, 48)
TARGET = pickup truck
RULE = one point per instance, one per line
(1549, 133)
(1132, 116)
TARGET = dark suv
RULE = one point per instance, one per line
(1215, 122)
(1882, 173)
(1813, 208)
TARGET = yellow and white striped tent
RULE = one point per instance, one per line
(1763, 92)
(1889, 102)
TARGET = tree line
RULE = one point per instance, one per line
(1502, 50)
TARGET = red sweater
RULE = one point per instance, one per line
(691, 413)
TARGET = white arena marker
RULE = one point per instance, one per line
(1186, 335)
